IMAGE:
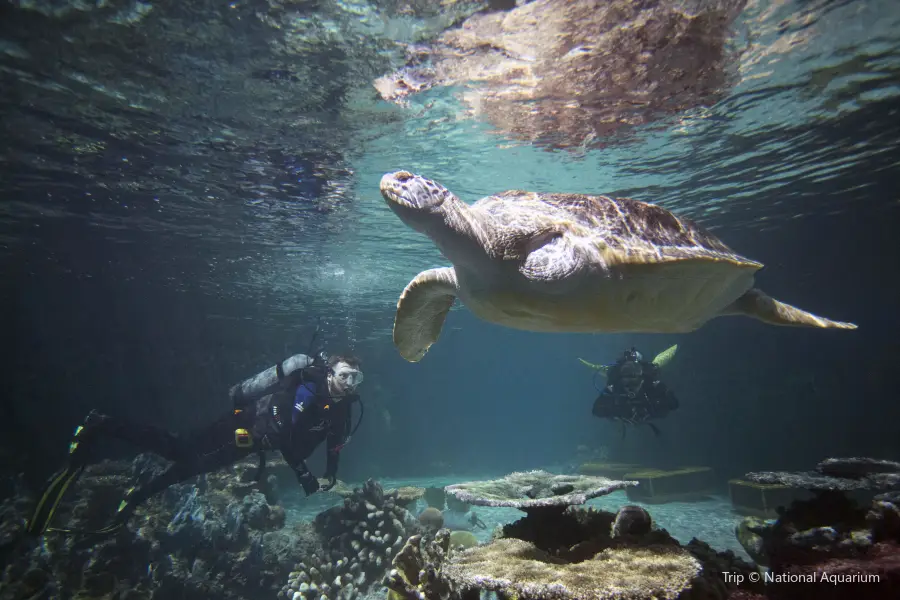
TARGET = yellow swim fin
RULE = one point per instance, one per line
(602, 369)
(124, 511)
(105, 531)
(663, 358)
(46, 507)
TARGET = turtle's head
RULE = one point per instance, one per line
(419, 202)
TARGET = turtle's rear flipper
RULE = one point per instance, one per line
(421, 311)
(759, 305)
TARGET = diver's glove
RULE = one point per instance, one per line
(310, 484)
(331, 481)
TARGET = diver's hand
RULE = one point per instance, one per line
(331, 481)
(310, 484)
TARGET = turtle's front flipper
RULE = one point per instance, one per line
(421, 311)
(759, 305)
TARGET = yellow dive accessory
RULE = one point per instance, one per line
(45, 510)
(46, 507)
(661, 360)
(242, 438)
(117, 523)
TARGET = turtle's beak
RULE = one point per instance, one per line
(412, 191)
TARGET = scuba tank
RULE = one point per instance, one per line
(266, 382)
(254, 388)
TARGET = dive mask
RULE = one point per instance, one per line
(348, 378)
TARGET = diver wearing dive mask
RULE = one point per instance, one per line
(291, 407)
(634, 393)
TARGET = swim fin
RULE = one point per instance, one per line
(56, 488)
(114, 527)
(125, 510)
(602, 369)
(664, 357)
(46, 507)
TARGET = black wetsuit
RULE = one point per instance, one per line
(277, 423)
(653, 399)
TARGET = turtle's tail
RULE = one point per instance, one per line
(759, 305)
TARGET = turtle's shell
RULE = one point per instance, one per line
(574, 262)
(628, 231)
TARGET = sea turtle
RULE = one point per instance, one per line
(557, 262)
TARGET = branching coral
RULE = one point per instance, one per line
(361, 536)
(418, 568)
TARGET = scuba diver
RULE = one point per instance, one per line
(291, 407)
(634, 393)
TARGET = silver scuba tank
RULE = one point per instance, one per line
(266, 382)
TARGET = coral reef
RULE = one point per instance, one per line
(843, 474)
(457, 505)
(407, 496)
(884, 517)
(431, 518)
(361, 537)
(830, 546)
(570, 73)
(557, 551)
(342, 489)
(857, 467)
(465, 539)
(517, 568)
(874, 577)
(216, 537)
(748, 532)
(632, 520)
(650, 565)
(535, 489)
(435, 497)
(418, 569)
(830, 524)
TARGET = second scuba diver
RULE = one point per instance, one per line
(634, 392)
